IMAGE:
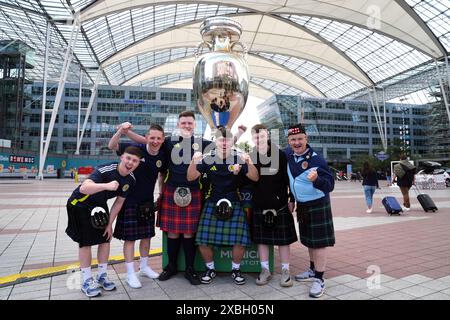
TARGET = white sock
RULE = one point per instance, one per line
(87, 273)
(235, 266)
(130, 267)
(210, 265)
(102, 268)
(285, 266)
(265, 264)
(144, 261)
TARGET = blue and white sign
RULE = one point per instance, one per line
(382, 156)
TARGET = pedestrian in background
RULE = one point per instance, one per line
(370, 183)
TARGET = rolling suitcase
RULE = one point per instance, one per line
(391, 205)
(425, 201)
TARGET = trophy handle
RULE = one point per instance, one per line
(243, 46)
(201, 45)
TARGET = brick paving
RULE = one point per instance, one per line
(409, 253)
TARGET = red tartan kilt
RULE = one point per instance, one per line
(175, 219)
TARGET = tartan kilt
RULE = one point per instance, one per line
(128, 227)
(247, 207)
(212, 231)
(79, 227)
(175, 219)
(316, 225)
(283, 233)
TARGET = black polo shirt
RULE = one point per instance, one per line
(271, 190)
(103, 174)
(179, 152)
(222, 182)
(146, 173)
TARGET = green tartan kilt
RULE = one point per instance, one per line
(316, 225)
(212, 231)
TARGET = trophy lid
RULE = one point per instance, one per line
(221, 26)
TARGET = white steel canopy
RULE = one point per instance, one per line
(392, 17)
(260, 33)
(258, 67)
(254, 90)
(336, 48)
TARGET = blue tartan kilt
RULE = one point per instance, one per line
(212, 231)
(128, 227)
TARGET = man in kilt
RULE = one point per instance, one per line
(311, 181)
(273, 223)
(89, 223)
(222, 222)
(180, 202)
(180, 206)
(136, 220)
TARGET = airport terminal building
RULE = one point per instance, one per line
(340, 129)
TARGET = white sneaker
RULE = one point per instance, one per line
(317, 288)
(91, 288)
(133, 281)
(104, 282)
(405, 209)
(264, 277)
(149, 273)
(369, 210)
(308, 274)
(286, 279)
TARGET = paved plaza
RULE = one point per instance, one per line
(376, 256)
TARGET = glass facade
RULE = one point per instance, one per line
(343, 129)
(437, 126)
(113, 105)
(346, 128)
(381, 55)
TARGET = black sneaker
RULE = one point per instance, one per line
(237, 276)
(167, 273)
(208, 276)
(192, 276)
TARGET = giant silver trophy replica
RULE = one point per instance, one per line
(220, 80)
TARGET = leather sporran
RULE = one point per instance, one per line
(145, 212)
(99, 218)
(223, 210)
(269, 218)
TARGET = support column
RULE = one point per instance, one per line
(376, 110)
(441, 84)
(40, 174)
(80, 95)
(88, 110)
(61, 85)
